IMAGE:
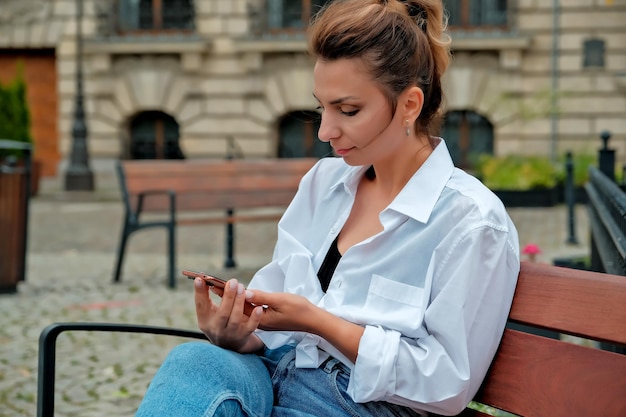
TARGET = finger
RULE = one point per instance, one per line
(217, 291)
(203, 302)
(260, 298)
(247, 308)
(256, 315)
(228, 299)
(238, 304)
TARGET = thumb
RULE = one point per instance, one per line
(259, 298)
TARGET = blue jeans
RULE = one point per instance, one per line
(200, 379)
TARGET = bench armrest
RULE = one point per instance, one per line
(143, 194)
(47, 352)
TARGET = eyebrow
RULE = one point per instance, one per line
(338, 100)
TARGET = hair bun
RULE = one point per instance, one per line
(417, 12)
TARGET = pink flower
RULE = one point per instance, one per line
(532, 251)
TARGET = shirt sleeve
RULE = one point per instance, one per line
(471, 284)
(290, 269)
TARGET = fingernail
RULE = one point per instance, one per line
(232, 284)
(239, 288)
(198, 282)
(249, 294)
(259, 311)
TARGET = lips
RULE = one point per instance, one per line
(342, 152)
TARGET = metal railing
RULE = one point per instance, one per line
(607, 217)
(607, 214)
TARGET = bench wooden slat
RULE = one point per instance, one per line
(215, 166)
(203, 201)
(231, 219)
(571, 301)
(193, 183)
(211, 174)
(212, 184)
(531, 373)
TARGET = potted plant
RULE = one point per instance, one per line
(520, 181)
(15, 123)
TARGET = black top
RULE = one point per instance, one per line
(325, 274)
(326, 271)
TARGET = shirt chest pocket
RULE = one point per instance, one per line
(395, 305)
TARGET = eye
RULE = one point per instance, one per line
(319, 109)
(349, 113)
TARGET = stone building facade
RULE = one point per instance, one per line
(201, 78)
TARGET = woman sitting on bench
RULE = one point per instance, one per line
(393, 273)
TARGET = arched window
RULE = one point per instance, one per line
(468, 135)
(298, 136)
(154, 135)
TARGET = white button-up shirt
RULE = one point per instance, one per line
(432, 290)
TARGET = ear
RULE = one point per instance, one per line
(413, 101)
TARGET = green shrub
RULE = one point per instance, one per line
(515, 172)
(14, 113)
(582, 161)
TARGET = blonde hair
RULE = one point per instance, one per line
(402, 43)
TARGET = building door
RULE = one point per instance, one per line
(468, 135)
(298, 136)
(38, 67)
(154, 135)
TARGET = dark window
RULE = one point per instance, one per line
(593, 53)
(291, 14)
(467, 135)
(298, 136)
(154, 135)
(155, 15)
(468, 14)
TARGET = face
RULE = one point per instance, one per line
(357, 117)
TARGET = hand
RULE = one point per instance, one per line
(226, 324)
(295, 313)
(284, 311)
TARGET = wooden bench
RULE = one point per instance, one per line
(174, 186)
(530, 375)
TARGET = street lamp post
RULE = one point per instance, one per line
(79, 176)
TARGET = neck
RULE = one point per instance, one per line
(392, 175)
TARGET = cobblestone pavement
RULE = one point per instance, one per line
(71, 254)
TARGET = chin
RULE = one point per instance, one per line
(354, 161)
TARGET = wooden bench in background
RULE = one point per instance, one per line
(530, 376)
(174, 186)
(536, 376)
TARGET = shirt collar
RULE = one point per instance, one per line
(418, 197)
(350, 179)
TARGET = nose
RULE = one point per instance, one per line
(328, 128)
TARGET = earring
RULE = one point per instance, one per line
(408, 128)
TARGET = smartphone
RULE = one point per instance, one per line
(210, 280)
(213, 281)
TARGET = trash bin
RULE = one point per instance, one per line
(15, 171)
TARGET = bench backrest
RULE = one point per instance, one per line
(202, 184)
(536, 376)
